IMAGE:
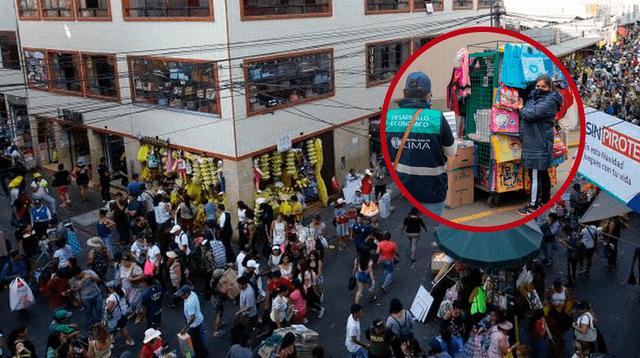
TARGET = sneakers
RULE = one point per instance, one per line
(527, 210)
(321, 312)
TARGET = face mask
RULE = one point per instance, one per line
(540, 92)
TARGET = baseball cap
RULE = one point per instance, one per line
(62, 314)
(253, 263)
(175, 229)
(417, 85)
(377, 323)
(184, 289)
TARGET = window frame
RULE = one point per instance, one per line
(415, 39)
(93, 18)
(80, 73)
(216, 110)
(85, 78)
(480, 7)
(381, 12)
(370, 83)
(456, 7)
(245, 17)
(47, 69)
(38, 10)
(15, 43)
(57, 18)
(420, 9)
(247, 62)
(125, 17)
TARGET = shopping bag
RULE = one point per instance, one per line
(352, 282)
(72, 239)
(511, 74)
(532, 63)
(559, 148)
(149, 268)
(506, 97)
(186, 345)
(20, 295)
(503, 120)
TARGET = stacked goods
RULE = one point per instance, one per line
(276, 164)
(263, 164)
(290, 164)
(306, 339)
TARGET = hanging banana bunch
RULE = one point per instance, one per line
(311, 152)
(263, 164)
(290, 164)
(197, 171)
(276, 164)
(322, 188)
(205, 173)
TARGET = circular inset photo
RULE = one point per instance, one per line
(479, 129)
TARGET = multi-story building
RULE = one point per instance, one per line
(230, 79)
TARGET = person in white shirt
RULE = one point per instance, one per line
(181, 239)
(588, 234)
(40, 191)
(353, 340)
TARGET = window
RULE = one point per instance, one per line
(9, 49)
(421, 41)
(285, 8)
(286, 80)
(167, 9)
(438, 5)
(386, 5)
(93, 9)
(462, 4)
(484, 4)
(101, 75)
(385, 59)
(65, 71)
(180, 84)
(36, 68)
(57, 9)
(28, 9)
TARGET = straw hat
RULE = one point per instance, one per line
(151, 334)
(95, 242)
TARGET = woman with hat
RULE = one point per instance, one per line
(152, 344)
(274, 258)
(499, 340)
(98, 257)
(340, 222)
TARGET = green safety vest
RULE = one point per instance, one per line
(479, 304)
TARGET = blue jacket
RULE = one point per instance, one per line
(536, 129)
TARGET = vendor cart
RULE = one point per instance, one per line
(492, 176)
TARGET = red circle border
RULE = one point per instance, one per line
(405, 67)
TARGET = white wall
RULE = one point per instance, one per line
(347, 31)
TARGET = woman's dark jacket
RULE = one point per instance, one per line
(536, 128)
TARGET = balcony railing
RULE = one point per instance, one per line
(381, 5)
(173, 11)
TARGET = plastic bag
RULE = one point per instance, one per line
(20, 295)
(559, 148)
(532, 63)
(511, 74)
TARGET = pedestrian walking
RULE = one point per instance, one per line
(62, 181)
(152, 344)
(353, 340)
(226, 231)
(380, 339)
(100, 343)
(363, 272)
(82, 175)
(117, 310)
(104, 173)
(387, 256)
(194, 320)
(366, 186)
(539, 338)
(151, 301)
(613, 230)
(549, 229)
(400, 322)
(40, 190)
(575, 253)
(379, 180)
(340, 222)
(412, 226)
(91, 296)
(588, 237)
(98, 257)
(499, 340)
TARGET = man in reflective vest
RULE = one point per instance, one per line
(422, 165)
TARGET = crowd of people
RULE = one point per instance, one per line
(608, 77)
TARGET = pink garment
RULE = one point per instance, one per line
(299, 306)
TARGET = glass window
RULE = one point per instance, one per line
(36, 68)
(285, 81)
(462, 4)
(180, 84)
(9, 49)
(65, 72)
(28, 8)
(438, 5)
(57, 8)
(421, 41)
(167, 8)
(92, 8)
(385, 59)
(484, 3)
(386, 5)
(285, 7)
(101, 73)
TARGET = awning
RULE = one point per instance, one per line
(604, 207)
(572, 46)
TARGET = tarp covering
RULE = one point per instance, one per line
(491, 250)
(603, 207)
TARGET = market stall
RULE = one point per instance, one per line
(487, 104)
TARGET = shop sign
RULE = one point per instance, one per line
(70, 116)
(612, 156)
(284, 144)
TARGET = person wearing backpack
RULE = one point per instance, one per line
(400, 322)
(186, 213)
(117, 309)
(585, 331)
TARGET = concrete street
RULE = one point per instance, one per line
(615, 303)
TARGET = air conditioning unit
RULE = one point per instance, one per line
(429, 8)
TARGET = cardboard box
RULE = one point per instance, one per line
(461, 187)
(464, 158)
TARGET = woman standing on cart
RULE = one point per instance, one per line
(536, 130)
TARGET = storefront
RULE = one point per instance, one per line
(115, 155)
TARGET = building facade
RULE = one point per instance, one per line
(226, 79)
